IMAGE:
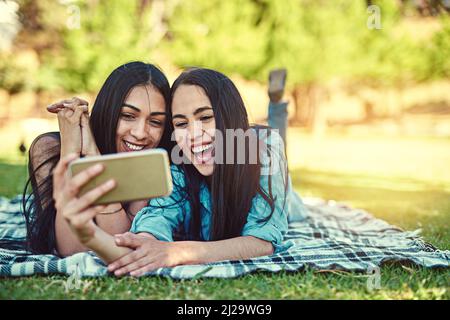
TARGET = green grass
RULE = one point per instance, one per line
(12, 178)
(409, 201)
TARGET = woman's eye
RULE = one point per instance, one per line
(127, 116)
(206, 118)
(180, 124)
(156, 123)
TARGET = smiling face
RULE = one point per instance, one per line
(194, 126)
(141, 121)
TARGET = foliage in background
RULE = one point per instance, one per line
(110, 33)
(224, 35)
(77, 49)
(438, 62)
(316, 40)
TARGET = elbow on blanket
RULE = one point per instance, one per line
(266, 247)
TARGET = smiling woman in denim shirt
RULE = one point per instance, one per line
(222, 209)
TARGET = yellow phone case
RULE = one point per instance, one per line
(138, 175)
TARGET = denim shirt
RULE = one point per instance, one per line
(163, 216)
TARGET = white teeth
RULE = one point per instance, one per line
(202, 148)
(133, 146)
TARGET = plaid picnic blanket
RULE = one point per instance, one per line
(331, 236)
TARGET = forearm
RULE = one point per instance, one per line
(104, 245)
(114, 223)
(240, 248)
(88, 146)
(67, 243)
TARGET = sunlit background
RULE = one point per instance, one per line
(368, 83)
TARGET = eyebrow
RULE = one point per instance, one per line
(139, 110)
(199, 110)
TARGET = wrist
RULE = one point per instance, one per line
(112, 208)
(91, 150)
(189, 252)
(67, 149)
(90, 241)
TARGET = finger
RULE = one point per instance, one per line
(142, 262)
(84, 177)
(55, 109)
(85, 119)
(64, 107)
(80, 101)
(63, 163)
(78, 219)
(147, 268)
(125, 260)
(74, 106)
(65, 113)
(60, 175)
(76, 102)
(129, 240)
(78, 111)
(90, 197)
(85, 109)
(58, 105)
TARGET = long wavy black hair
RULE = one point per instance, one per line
(38, 205)
(232, 186)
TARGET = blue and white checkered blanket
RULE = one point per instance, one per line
(331, 236)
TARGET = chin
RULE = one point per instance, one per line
(205, 170)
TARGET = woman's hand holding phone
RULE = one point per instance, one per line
(78, 211)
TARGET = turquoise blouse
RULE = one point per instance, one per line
(163, 216)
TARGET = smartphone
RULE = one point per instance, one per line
(138, 175)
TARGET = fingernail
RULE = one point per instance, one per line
(97, 167)
(110, 183)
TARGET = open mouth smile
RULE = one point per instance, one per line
(133, 147)
(203, 153)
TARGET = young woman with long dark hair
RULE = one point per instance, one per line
(224, 209)
(129, 114)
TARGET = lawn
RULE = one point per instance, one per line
(405, 181)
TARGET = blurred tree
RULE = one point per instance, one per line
(79, 42)
(437, 62)
(223, 35)
(109, 34)
(317, 41)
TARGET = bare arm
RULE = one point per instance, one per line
(76, 137)
(75, 227)
(44, 154)
(240, 248)
(104, 245)
(112, 221)
(151, 254)
(68, 243)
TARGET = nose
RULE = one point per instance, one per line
(196, 131)
(140, 130)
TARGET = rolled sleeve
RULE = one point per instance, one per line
(270, 233)
(162, 216)
(157, 222)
